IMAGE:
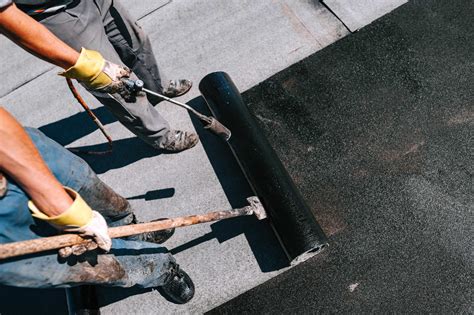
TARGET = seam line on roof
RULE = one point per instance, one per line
(333, 13)
(154, 10)
(290, 10)
(25, 83)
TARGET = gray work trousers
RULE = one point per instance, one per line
(104, 26)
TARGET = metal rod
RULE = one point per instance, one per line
(210, 123)
(177, 103)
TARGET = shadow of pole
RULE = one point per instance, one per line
(155, 194)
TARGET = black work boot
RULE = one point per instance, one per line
(177, 88)
(178, 287)
(177, 140)
(157, 237)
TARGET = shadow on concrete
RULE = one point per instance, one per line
(155, 194)
(108, 296)
(262, 241)
(80, 125)
(77, 126)
(121, 156)
(257, 234)
(32, 301)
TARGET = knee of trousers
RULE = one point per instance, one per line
(147, 264)
(50, 271)
(69, 169)
(74, 172)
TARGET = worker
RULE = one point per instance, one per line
(45, 190)
(76, 35)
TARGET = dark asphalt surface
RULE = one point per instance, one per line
(377, 132)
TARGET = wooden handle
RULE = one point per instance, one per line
(55, 242)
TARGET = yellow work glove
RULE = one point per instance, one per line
(81, 219)
(96, 73)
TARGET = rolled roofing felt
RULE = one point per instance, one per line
(293, 222)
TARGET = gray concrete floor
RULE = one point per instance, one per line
(251, 40)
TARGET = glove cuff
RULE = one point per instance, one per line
(78, 214)
(89, 69)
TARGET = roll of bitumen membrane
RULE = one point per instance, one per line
(293, 222)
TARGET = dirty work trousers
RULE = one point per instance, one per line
(129, 263)
(103, 25)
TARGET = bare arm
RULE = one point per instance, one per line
(88, 67)
(20, 159)
(35, 38)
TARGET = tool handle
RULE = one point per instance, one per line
(133, 85)
(9, 250)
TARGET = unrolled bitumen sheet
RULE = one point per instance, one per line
(377, 133)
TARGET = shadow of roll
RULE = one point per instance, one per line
(295, 226)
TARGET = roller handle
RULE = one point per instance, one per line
(14, 249)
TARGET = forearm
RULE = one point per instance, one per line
(35, 38)
(20, 159)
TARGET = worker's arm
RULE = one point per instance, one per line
(20, 159)
(50, 201)
(88, 66)
(35, 38)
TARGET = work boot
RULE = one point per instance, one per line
(177, 140)
(178, 287)
(157, 237)
(177, 88)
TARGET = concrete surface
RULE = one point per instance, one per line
(251, 41)
(377, 132)
(357, 14)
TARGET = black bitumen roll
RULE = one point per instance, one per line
(295, 226)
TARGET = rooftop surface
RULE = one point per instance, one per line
(384, 181)
(377, 132)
